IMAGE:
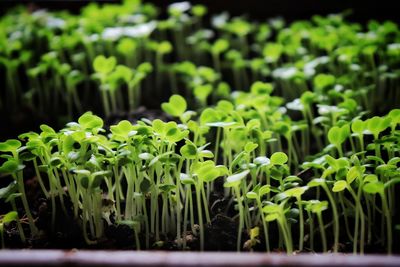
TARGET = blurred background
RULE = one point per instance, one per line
(363, 10)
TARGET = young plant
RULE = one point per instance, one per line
(4, 220)
(235, 182)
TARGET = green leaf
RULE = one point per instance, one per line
(307, 98)
(189, 150)
(209, 115)
(158, 126)
(220, 46)
(12, 197)
(11, 145)
(201, 92)
(250, 146)
(164, 47)
(272, 52)
(10, 166)
(186, 179)
(339, 186)
(279, 158)
(104, 65)
(323, 81)
(358, 126)
(374, 188)
(265, 189)
(176, 106)
(6, 191)
(316, 182)
(319, 206)
(377, 125)
(98, 177)
(9, 217)
(166, 187)
(296, 191)
(261, 88)
(55, 161)
(88, 121)
(370, 178)
(206, 171)
(47, 129)
(272, 208)
(352, 174)
(223, 170)
(337, 135)
(84, 181)
(199, 10)
(394, 115)
(206, 154)
(124, 73)
(123, 130)
(145, 186)
(126, 46)
(272, 217)
(159, 157)
(251, 195)
(173, 134)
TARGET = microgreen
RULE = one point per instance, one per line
(6, 219)
(289, 110)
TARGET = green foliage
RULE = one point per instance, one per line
(176, 106)
(285, 150)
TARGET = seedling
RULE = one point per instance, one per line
(4, 220)
(318, 207)
(234, 181)
(321, 182)
(258, 98)
(277, 212)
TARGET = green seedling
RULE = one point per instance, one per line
(373, 186)
(234, 181)
(318, 207)
(14, 168)
(6, 219)
(322, 183)
(278, 213)
(216, 49)
(337, 136)
(204, 172)
(297, 192)
(354, 173)
(257, 193)
(103, 67)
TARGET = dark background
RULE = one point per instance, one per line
(363, 10)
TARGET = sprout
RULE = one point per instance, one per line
(299, 92)
(6, 219)
(338, 135)
(234, 181)
(277, 212)
(272, 52)
(318, 207)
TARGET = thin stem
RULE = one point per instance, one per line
(322, 231)
(200, 216)
(388, 223)
(265, 226)
(241, 217)
(335, 218)
(301, 224)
